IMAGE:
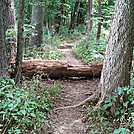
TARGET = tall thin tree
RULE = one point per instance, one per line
(20, 41)
(11, 39)
(3, 28)
(37, 21)
(99, 19)
(89, 13)
(74, 16)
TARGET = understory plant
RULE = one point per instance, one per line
(89, 49)
(121, 121)
(75, 34)
(24, 109)
(49, 50)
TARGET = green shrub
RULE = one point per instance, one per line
(119, 122)
(76, 34)
(24, 109)
(89, 49)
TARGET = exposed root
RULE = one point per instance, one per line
(93, 97)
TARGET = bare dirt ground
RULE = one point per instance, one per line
(72, 120)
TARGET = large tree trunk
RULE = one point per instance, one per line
(89, 21)
(3, 28)
(117, 63)
(20, 41)
(37, 21)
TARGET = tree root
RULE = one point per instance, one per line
(93, 97)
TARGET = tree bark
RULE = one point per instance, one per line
(37, 21)
(89, 12)
(99, 20)
(12, 20)
(118, 60)
(3, 28)
(58, 69)
(11, 39)
(81, 15)
(59, 17)
(74, 16)
(20, 41)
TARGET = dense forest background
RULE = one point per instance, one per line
(66, 20)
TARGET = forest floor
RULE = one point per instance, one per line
(74, 91)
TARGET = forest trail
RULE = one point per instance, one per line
(72, 121)
(66, 49)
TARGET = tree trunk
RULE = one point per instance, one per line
(74, 16)
(12, 20)
(3, 28)
(37, 21)
(20, 41)
(11, 39)
(118, 60)
(58, 69)
(89, 12)
(99, 19)
(81, 15)
(62, 10)
(59, 17)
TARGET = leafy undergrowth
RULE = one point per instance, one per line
(75, 34)
(25, 109)
(44, 53)
(89, 49)
(49, 48)
(121, 121)
(47, 51)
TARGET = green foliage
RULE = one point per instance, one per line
(77, 33)
(119, 121)
(89, 49)
(121, 131)
(11, 33)
(98, 123)
(24, 109)
(107, 12)
(48, 50)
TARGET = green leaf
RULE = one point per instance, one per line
(23, 112)
(121, 131)
(125, 104)
(120, 90)
(107, 105)
(33, 115)
(122, 111)
(108, 100)
(10, 95)
(132, 102)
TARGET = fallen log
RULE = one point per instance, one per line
(58, 69)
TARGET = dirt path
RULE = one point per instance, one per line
(66, 49)
(72, 121)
